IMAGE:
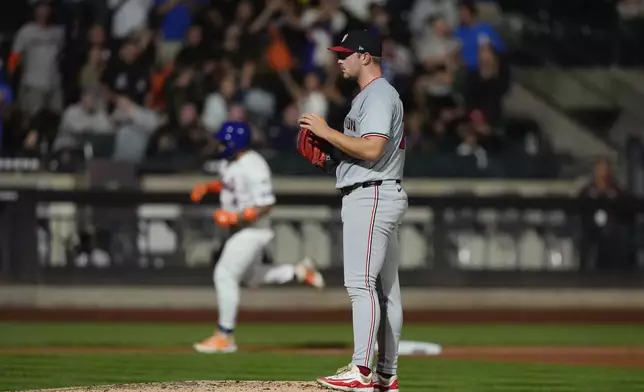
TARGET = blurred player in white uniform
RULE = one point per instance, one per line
(246, 197)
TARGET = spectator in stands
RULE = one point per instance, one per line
(36, 48)
(240, 43)
(91, 72)
(260, 103)
(183, 86)
(40, 131)
(424, 9)
(470, 147)
(380, 20)
(128, 17)
(281, 134)
(71, 57)
(6, 101)
(436, 47)
(397, 63)
(176, 18)
(215, 111)
(444, 133)
(630, 9)
(437, 51)
(147, 42)
(134, 125)
(95, 55)
(328, 13)
(415, 125)
(275, 13)
(97, 40)
(309, 97)
(83, 117)
(630, 31)
(487, 85)
(212, 21)
(195, 52)
(607, 235)
(183, 136)
(360, 9)
(484, 131)
(473, 34)
(193, 139)
(228, 54)
(126, 76)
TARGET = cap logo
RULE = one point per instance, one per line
(360, 48)
(344, 38)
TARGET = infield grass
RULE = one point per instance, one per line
(167, 334)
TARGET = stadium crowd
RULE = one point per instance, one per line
(153, 79)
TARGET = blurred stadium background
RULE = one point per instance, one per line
(525, 166)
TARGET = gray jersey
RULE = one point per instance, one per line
(40, 47)
(375, 111)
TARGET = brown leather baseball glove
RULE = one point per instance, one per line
(315, 150)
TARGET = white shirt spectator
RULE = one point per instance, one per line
(429, 46)
(423, 9)
(322, 56)
(215, 112)
(314, 102)
(77, 120)
(135, 124)
(338, 20)
(40, 47)
(360, 8)
(399, 63)
(467, 149)
(129, 16)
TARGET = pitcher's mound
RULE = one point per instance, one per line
(201, 386)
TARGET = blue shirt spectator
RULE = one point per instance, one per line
(177, 17)
(281, 136)
(6, 99)
(473, 33)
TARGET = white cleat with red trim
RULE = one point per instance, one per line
(381, 384)
(348, 379)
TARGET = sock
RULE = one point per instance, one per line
(225, 330)
(385, 375)
(365, 371)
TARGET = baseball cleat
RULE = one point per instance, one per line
(349, 379)
(218, 343)
(381, 384)
(306, 273)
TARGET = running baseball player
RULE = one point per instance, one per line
(246, 197)
(373, 205)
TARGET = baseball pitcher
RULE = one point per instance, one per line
(246, 197)
(369, 177)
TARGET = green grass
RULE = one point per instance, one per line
(115, 334)
(28, 371)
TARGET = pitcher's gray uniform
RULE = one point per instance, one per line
(371, 213)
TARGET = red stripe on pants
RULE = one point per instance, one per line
(366, 278)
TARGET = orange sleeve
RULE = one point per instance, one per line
(250, 214)
(14, 61)
(215, 186)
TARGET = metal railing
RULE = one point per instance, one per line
(132, 237)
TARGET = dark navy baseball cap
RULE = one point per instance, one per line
(361, 41)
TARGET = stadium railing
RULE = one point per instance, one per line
(131, 237)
